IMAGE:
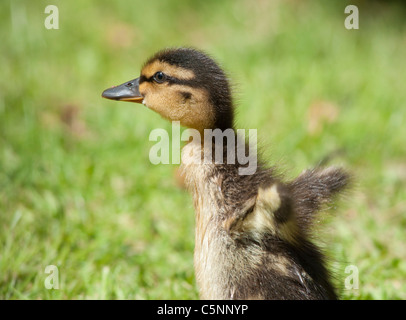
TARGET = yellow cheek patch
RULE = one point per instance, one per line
(194, 112)
(177, 72)
(144, 87)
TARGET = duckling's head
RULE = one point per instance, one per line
(184, 85)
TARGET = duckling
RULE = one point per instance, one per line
(253, 231)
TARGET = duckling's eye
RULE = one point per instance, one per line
(159, 77)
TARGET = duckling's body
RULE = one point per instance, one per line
(252, 231)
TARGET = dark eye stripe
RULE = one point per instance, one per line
(172, 80)
(145, 79)
(189, 83)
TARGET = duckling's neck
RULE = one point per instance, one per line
(216, 194)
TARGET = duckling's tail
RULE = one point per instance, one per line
(315, 188)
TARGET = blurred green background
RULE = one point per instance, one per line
(77, 189)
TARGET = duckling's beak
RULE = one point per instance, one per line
(128, 91)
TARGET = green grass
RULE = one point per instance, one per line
(77, 189)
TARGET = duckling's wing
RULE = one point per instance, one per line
(285, 211)
(270, 212)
